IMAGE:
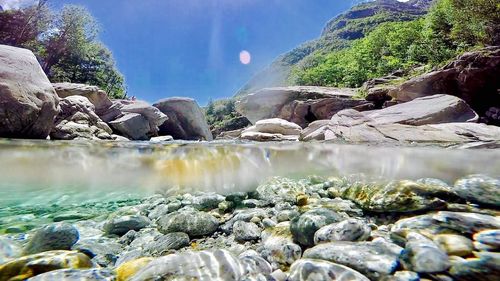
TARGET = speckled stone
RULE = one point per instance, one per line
(95, 274)
(121, 225)
(347, 230)
(479, 189)
(192, 222)
(304, 226)
(422, 255)
(162, 245)
(279, 246)
(246, 231)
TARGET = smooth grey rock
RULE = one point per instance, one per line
(104, 251)
(373, 259)
(243, 215)
(186, 120)
(207, 202)
(304, 226)
(404, 276)
(245, 231)
(192, 222)
(424, 256)
(95, 274)
(479, 189)
(56, 236)
(161, 139)
(347, 230)
(28, 102)
(132, 125)
(318, 270)
(122, 225)
(204, 265)
(171, 241)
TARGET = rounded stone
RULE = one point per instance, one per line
(56, 236)
(245, 231)
(95, 274)
(170, 241)
(121, 225)
(488, 237)
(479, 189)
(422, 255)
(347, 230)
(128, 269)
(192, 222)
(454, 245)
(304, 226)
(318, 270)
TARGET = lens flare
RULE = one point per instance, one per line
(245, 57)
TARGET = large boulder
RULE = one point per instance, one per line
(186, 120)
(96, 96)
(138, 119)
(299, 104)
(28, 102)
(473, 77)
(426, 110)
(77, 119)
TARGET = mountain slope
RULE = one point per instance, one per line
(338, 33)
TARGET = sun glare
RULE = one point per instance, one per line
(245, 57)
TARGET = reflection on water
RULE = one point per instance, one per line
(96, 169)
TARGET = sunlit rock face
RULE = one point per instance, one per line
(27, 108)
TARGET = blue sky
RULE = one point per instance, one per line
(191, 47)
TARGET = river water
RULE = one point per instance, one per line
(39, 178)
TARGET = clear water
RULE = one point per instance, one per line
(43, 181)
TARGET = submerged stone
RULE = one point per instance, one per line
(9, 249)
(347, 230)
(95, 274)
(246, 231)
(423, 256)
(56, 236)
(122, 225)
(128, 269)
(279, 246)
(484, 268)
(165, 243)
(454, 245)
(204, 265)
(304, 226)
(318, 270)
(374, 259)
(28, 266)
(397, 196)
(489, 237)
(479, 189)
(192, 222)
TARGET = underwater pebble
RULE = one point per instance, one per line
(192, 222)
(246, 231)
(347, 230)
(422, 255)
(317, 270)
(76, 274)
(121, 225)
(304, 226)
(170, 241)
(454, 245)
(479, 189)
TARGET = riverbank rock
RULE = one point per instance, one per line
(374, 259)
(309, 269)
(192, 222)
(299, 104)
(425, 110)
(57, 236)
(186, 120)
(138, 121)
(473, 77)
(272, 129)
(77, 119)
(98, 97)
(28, 102)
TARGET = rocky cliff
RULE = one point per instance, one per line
(338, 33)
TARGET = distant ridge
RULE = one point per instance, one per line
(337, 34)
